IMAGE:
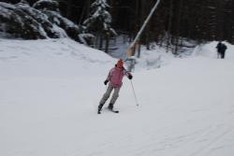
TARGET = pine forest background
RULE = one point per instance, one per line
(173, 21)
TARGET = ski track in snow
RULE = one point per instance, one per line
(50, 90)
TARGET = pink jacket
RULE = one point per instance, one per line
(116, 75)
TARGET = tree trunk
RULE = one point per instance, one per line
(169, 25)
(107, 43)
(69, 9)
(177, 34)
(100, 42)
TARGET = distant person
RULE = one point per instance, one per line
(114, 78)
(221, 49)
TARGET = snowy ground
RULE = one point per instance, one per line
(50, 89)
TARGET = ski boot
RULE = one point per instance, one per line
(111, 106)
(99, 108)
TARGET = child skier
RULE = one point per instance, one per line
(114, 78)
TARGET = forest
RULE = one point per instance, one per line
(171, 24)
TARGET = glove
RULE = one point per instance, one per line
(105, 82)
(130, 76)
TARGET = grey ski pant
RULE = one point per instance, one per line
(107, 95)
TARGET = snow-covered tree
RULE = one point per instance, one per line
(99, 22)
(15, 22)
(42, 20)
(51, 9)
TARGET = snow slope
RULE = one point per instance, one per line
(50, 90)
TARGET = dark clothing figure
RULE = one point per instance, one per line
(221, 49)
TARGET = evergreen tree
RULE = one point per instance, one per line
(99, 23)
(40, 21)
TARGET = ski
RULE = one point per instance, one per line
(114, 111)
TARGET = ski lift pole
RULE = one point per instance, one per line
(132, 45)
(144, 24)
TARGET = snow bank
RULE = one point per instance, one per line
(209, 50)
(50, 91)
(51, 57)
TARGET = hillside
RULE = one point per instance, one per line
(50, 90)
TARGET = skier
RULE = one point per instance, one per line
(114, 78)
(221, 48)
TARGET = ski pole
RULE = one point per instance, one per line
(134, 93)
